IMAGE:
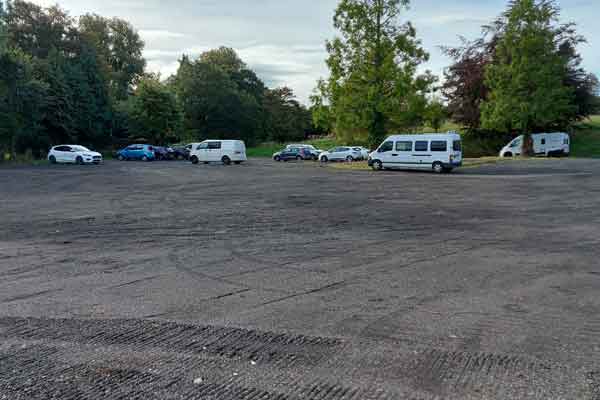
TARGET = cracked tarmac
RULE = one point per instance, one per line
(295, 281)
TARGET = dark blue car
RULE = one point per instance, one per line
(143, 152)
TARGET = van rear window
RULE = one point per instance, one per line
(457, 145)
(439, 145)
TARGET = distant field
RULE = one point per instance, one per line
(586, 139)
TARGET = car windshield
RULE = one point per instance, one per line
(80, 148)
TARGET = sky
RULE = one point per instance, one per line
(283, 41)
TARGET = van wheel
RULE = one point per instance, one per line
(438, 167)
(508, 155)
(52, 160)
(79, 160)
(377, 165)
(226, 160)
(194, 160)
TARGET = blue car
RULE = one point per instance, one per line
(142, 152)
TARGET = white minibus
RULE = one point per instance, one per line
(437, 152)
(225, 151)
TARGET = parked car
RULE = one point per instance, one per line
(182, 152)
(225, 151)
(341, 153)
(312, 148)
(437, 152)
(544, 144)
(364, 152)
(144, 152)
(294, 153)
(161, 153)
(73, 154)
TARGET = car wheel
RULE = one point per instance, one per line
(377, 165)
(194, 160)
(120, 157)
(350, 159)
(324, 159)
(144, 158)
(315, 158)
(299, 158)
(179, 157)
(226, 160)
(508, 155)
(52, 160)
(79, 160)
(438, 167)
(277, 158)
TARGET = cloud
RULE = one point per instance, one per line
(153, 34)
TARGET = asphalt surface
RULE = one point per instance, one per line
(295, 281)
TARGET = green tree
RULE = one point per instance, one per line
(436, 114)
(3, 30)
(287, 119)
(119, 49)
(526, 79)
(374, 86)
(220, 101)
(154, 113)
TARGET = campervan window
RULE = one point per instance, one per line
(421, 146)
(439, 145)
(404, 146)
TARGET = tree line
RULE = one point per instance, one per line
(83, 80)
(523, 75)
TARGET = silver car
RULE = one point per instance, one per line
(341, 153)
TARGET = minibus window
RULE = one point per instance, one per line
(421, 146)
(214, 145)
(387, 146)
(457, 146)
(404, 146)
(439, 145)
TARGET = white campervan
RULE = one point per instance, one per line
(544, 144)
(437, 152)
(225, 151)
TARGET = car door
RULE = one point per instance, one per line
(385, 154)
(59, 153)
(70, 154)
(214, 151)
(421, 157)
(403, 153)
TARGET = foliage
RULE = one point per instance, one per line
(465, 85)
(287, 119)
(153, 113)
(119, 49)
(373, 86)
(436, 114)
(585, 140)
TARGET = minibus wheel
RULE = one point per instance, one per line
(377, 165)
(438, 167)
(226, 160)
(194, 160)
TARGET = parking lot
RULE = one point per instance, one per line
(300, 281)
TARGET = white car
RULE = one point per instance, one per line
(341, 153)
(364, 152)
(225, 151)
(73, 154)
